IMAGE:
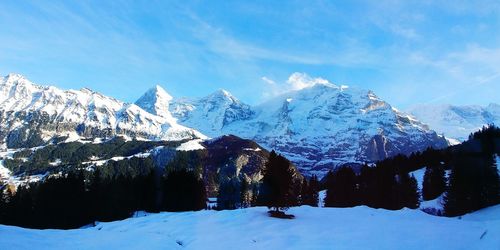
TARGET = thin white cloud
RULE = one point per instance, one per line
(473, 67)
(267, 80)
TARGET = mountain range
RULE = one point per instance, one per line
(457, 122)
(31, 115)
(318, 127)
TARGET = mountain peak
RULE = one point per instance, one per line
(13, 78)
(224, 92)
(156, 101)
(161, 93)
(222, 95)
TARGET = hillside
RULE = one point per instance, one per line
(218, 159)
(314, 228)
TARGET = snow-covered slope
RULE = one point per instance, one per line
(318, 127)
(457, 121)
(31, 114)
(313, 228)
(211, 113)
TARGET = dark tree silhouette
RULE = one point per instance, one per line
(229, 196)
(474, 184)
(183, 191)
(309, 192)
(277, 190)
(434, 183)
(341, 188)
(245, 194)
(409, 196)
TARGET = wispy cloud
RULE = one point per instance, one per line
(267, 80)
(390, 46)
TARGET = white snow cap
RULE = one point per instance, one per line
(156, 101)
(161, 93)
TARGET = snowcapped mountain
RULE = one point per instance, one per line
(317, 127)
(156, 101)
(457, 122)
(211, 113)
(31, 115)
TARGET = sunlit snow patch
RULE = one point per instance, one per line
(191, 145)
(252, 149)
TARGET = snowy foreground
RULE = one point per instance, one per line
(313, 228)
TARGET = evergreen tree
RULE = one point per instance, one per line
(183, 191)
(149, 192)
(245, 194)
(309, 193)
(387, 187)
(229, 196)
(434, 183)
(20, 207)
(474, 184)
(408, 191)
(341, 188)
(303, 192)
(277, 190)
(367, 186)
(3, 203)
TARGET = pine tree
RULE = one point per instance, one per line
(341, 188)
(149, 192)
(245, 194)
(277, 184)
(303, 192)
(229, 196)
(474, 184)
(183, 191)
(408, 191)
(434, 183)
(309, 193)
(3, 203)
(367, 186)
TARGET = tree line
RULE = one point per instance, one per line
(74, 200)
(473, 182)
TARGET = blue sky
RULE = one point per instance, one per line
(408, 52)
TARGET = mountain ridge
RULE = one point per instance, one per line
(31, 115)
(318, 127)
(457, 121)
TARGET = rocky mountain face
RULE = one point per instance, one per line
(318, 127)
(457, 122)
(211, 113)
(31, 115)
(229, 157)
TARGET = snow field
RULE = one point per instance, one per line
(313, 228)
